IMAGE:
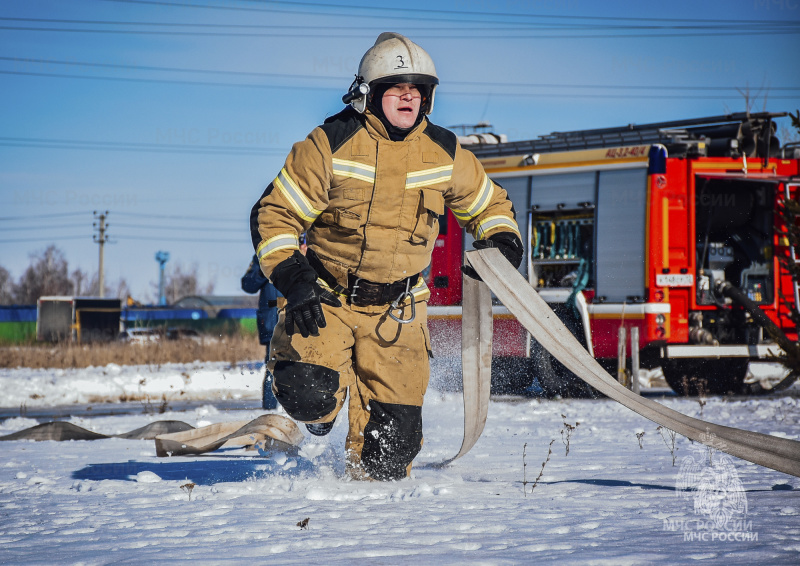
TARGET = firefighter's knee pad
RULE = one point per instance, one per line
(306, 391)
(392, 438)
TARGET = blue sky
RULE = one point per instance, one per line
(119, 117)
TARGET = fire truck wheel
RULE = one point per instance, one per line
(554, 379)
(699, 377)
(510, 376)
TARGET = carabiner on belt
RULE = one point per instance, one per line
(397, 304)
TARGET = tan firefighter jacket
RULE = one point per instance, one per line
(370, 206)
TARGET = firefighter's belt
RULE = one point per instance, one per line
(360, 292)
(363, 293)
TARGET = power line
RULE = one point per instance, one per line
(273, 10)
(166, 81)
(368, 33)
(314, 87)
(180, 216)
(129, 150)
(27, 60)
(504, 14)
(40, 228)
(404, 11)
(182, 228)
(189, 25)
(244, 239)
(509, 26)
(618, 96)
(482, 28)
(37, 216)
(132, 146)
(176, 217)
(57, 239)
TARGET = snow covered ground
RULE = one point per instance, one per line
(26, 387)
(608, 501)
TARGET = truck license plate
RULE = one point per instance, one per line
(674, 279)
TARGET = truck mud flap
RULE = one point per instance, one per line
(536, 316)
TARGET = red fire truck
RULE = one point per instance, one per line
(671, 228)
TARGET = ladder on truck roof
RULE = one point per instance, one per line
(678, 136)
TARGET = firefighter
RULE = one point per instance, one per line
(368, 186)
(253, 281)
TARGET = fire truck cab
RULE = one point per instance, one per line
(671, 228)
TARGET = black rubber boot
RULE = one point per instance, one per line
(320, 429)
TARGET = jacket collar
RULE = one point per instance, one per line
(377, 130)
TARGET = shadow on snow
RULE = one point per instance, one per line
(624, 483)
(202, 470)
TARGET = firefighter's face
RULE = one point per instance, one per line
(401, 105)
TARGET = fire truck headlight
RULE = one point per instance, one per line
(660, 319)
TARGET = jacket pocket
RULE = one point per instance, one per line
(346, 220)
(353, 194)
(431, 206)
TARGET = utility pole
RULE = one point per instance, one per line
(101, 238)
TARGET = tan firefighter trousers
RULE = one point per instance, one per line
(383, 367)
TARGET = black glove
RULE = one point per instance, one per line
(297, 282)
(509, 245)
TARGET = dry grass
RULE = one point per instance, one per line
(232, 349)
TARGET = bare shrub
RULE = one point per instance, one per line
(188, 487)
(183, 281)
(47, 274)
(6, 287)
(566, 432)
(669, 437)
(525, 481)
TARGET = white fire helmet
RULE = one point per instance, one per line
(393, 59)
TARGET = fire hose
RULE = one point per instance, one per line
(535, 315)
